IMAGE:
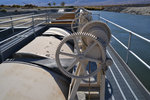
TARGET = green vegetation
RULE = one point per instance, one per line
(49, 4)
(94, 7)
(30, 6)
(3, 10)
(54, 3)
(16, 6)
(2, 5)
(62, 4)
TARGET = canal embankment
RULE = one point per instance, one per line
(130, 10)
(136, 9)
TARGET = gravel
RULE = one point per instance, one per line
(131, 10)
(137, 10)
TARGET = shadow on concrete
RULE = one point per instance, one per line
(48, 65)
(108, 90)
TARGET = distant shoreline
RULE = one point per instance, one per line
(130, 10)
(137, 9)
(17, 11)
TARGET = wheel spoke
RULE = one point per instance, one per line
(89, 48)
(76, 45)
(75, 26)
(72, 65)
(82, 24)
(68, 54)
(83, 66)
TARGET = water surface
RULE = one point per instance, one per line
(139, 24)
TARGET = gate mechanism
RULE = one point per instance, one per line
(81, 18)
(87, 48)
(88, 55)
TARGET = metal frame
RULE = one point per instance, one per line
(4, 45)
(33, 22)
(13, 16)
(76, 83)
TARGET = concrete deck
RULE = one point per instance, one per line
(26, 78)
(22, 78)
(29, 82)
(46, 44)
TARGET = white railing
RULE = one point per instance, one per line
(31, 22)
(28, 22)
(129, 41)
(14, 16)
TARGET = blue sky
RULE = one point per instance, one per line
(73, 2)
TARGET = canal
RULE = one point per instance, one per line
(139, 24)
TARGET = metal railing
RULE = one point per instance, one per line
(29, 23)
(129, 41)
(15, 16)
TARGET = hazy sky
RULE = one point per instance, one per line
(73, 2)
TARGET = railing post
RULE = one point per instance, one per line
(129, 45)
(99, 16)
(46, 17)
(33, 26)
(12, 25)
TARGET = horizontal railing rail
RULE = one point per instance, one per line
(22, 18)
(4, 29)
(129, 41)
(20, 15)
(1, 42)
(31, 23)
(133, 33)
(28, 22)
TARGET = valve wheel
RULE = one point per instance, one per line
(81, 57)
(76, 24)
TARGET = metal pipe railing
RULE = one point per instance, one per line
(133, 33)
(129, 44)
(40, 24)
(129, 41)
(1, 42)
(4, 29)
(12, 25)
(22, 18)
(23, 24)
(20, 15)
(31, 27)
(35, 20)
(46, 14)
(11, 21)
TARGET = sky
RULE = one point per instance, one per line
(73, 2)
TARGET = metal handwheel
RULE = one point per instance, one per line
(78, 22)
(87, 49)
